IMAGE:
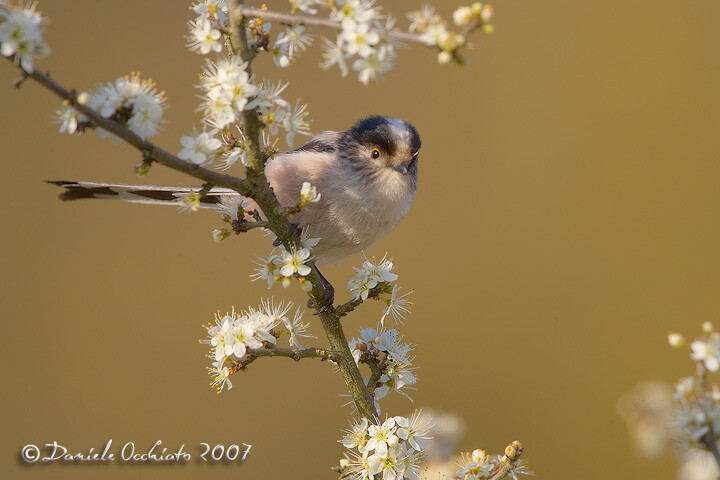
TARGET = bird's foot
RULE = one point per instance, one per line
(327, 300)
(328, 295)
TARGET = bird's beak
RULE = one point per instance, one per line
(402, 168)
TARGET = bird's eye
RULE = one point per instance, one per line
(375, 153)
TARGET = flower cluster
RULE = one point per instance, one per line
(364, 41)
(385, 352)
(234, 335)
(229, 90)
(377, 275)
(478, 465)
(433, 29)
(370, 275)
(128, 100)
(393, 449)
(21, 35)
(695, 421)
(205, 30)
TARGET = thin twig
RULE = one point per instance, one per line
(290, 19)
(294, 354)
(149, 150)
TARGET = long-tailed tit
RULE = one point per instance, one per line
(366, 177)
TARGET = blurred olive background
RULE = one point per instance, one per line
(567, 218)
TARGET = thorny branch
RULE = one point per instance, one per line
(294, 354)
(255, 186)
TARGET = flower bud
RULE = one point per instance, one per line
(220, 234)
(676, 340)
(478, 455)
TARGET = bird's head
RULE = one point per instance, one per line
(384, 149)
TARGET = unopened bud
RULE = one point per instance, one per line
(676, 340)
(477, 455)
(513, 450)
(305, 284)
(707, 327)
(444, 57)
(220, 234)
(487, 13)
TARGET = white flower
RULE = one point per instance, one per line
(21, 35)
(372, 67)
(334, 54)
(203, 37)
(308, 194)
(267, 269)
(357, 436)
(462, 16)
(358, 11)
(241, 338)
(707, 352)
(68, 119)
(296, 329)
(219, 108)
(305, 5)
(398, 375)
(380, 272)
(263, 323)
(296, 40)
(486, 13)
(230, 158)
(684, 388)
(295, 123)
(476, 465)
(147, 115)
(413, 429)
(275, 312)
(224, 74)
(199, 149)
(381, 437)
(188, 202)
(420, 19)
(391, 466)
(306, 240)
(360, 285)
(268, 97)
(232, 205)
(106, 100)
(397, 305)
(280, 55)
(216, 9)
(435, 34)
(228, 89)
(220, 375)
(359, 39)
(293, 262)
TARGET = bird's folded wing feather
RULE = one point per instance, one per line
(147, 194)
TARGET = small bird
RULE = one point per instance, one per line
(366, 177)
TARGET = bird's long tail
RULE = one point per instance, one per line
(215, 198)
